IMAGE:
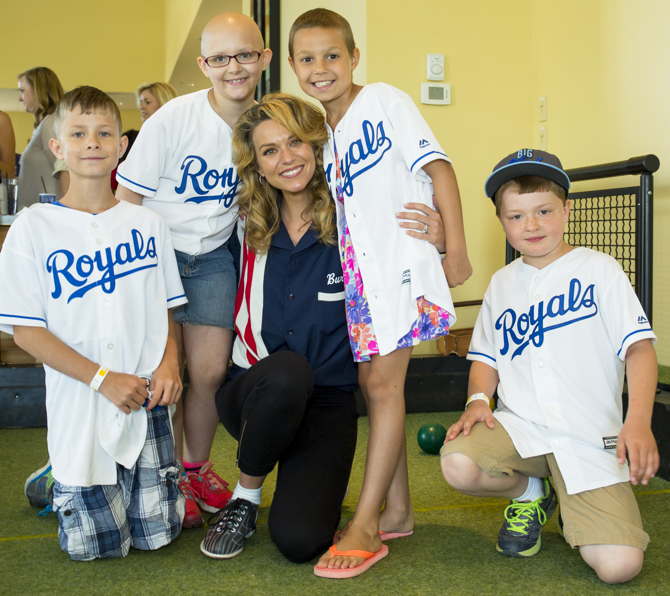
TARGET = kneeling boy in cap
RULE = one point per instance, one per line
(558, 328)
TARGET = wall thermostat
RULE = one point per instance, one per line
(435, 67)
(436, 93)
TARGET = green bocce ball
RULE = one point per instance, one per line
(431, 438)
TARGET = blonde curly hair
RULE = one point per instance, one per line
(258, 201)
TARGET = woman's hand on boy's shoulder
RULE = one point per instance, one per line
(477, 411)
(636, 442)
(457, 268)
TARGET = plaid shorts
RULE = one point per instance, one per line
(144, 509)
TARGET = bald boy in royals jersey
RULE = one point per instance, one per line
(181, 167)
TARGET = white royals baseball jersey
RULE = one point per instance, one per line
(102, 284)
(181, 162)
(558, 338)
(381, 143)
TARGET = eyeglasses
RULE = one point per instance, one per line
(219, 60)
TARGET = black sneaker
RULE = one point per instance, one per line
(521, 532)
(231, 527)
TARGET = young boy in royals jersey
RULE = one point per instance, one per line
(181, 167)
(88, 282)
(557, 330)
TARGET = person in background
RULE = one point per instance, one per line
(39, 170)
(152, 96)
(7, 147)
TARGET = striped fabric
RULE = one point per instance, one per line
(249, 347)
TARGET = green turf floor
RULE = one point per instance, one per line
(452, 551)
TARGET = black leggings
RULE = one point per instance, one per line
(279, 417)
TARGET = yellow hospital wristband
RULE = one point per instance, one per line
(98, 378)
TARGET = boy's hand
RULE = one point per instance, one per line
(126, 392)
(457, 268)
(166, 385)
(476, 412)
(637, 442)
(424, 223)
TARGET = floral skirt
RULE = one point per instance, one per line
(432, 321)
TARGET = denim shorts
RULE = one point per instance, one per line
(210, 283)
(144, 509)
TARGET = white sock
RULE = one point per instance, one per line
(534, 490)
(250, 494)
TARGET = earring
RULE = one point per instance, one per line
(261, 178)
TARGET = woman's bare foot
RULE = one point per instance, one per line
(355, 538)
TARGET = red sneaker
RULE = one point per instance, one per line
(192, 515)
(209, 489)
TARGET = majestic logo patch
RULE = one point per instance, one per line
(609, 442)
(521, 329)
(86, 272)
(361, 155)
(423, 143)
(207, 184)
(641, 320)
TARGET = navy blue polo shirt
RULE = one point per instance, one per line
(303, 306)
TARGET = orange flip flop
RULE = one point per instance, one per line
(384, 536)
(369, 559)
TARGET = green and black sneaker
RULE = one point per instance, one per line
(521, 532)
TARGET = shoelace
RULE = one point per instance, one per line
(185, 488)
(213, 479)
(519, 515)
(231, 517)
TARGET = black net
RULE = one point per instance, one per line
(605, 220)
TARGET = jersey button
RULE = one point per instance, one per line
(291, 296)
(110, 346)
(94, 224)
(290, 331)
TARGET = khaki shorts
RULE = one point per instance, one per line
(607, 515)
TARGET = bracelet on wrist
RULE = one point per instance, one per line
(480, 397)
(98, 378)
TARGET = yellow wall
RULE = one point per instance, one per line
(604, 66)
(23, 128)
(114, 47)
(179, 15)
(489, 114)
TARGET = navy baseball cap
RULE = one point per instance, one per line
(526, 162)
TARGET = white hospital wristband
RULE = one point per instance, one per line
(98, 378)
(478, 397)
